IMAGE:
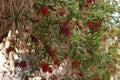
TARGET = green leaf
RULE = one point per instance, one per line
(10, 17)
(74, 38)
(33, 21)
(16, 23)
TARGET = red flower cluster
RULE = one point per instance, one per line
(9, 49)
(96, 78)
(57, 62)
(90, 1)
(62, 12)
(44, 10)
(33, 38)
(51, 52)
(81, 74)
(50, 70)
(92, 25)
(65, 28)
(16, 63)
(23, 64)
(45, 67)
(99, 24)
(75, 63)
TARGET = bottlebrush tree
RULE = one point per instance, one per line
(82, 31)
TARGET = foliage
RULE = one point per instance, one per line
(81, 30)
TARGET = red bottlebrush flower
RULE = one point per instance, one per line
(65, 29)
(33, 37)
(50, 70)
(62, 12)
(23, 64)
(96, 78)
(89, 1)
(16, 63)
(9, 49)
(44, 10)
(80, 74)
(57, 62)
(75, 63)
(91, 25)
(97, 30)
(99, 24)
(45, 66)
(51, 52)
